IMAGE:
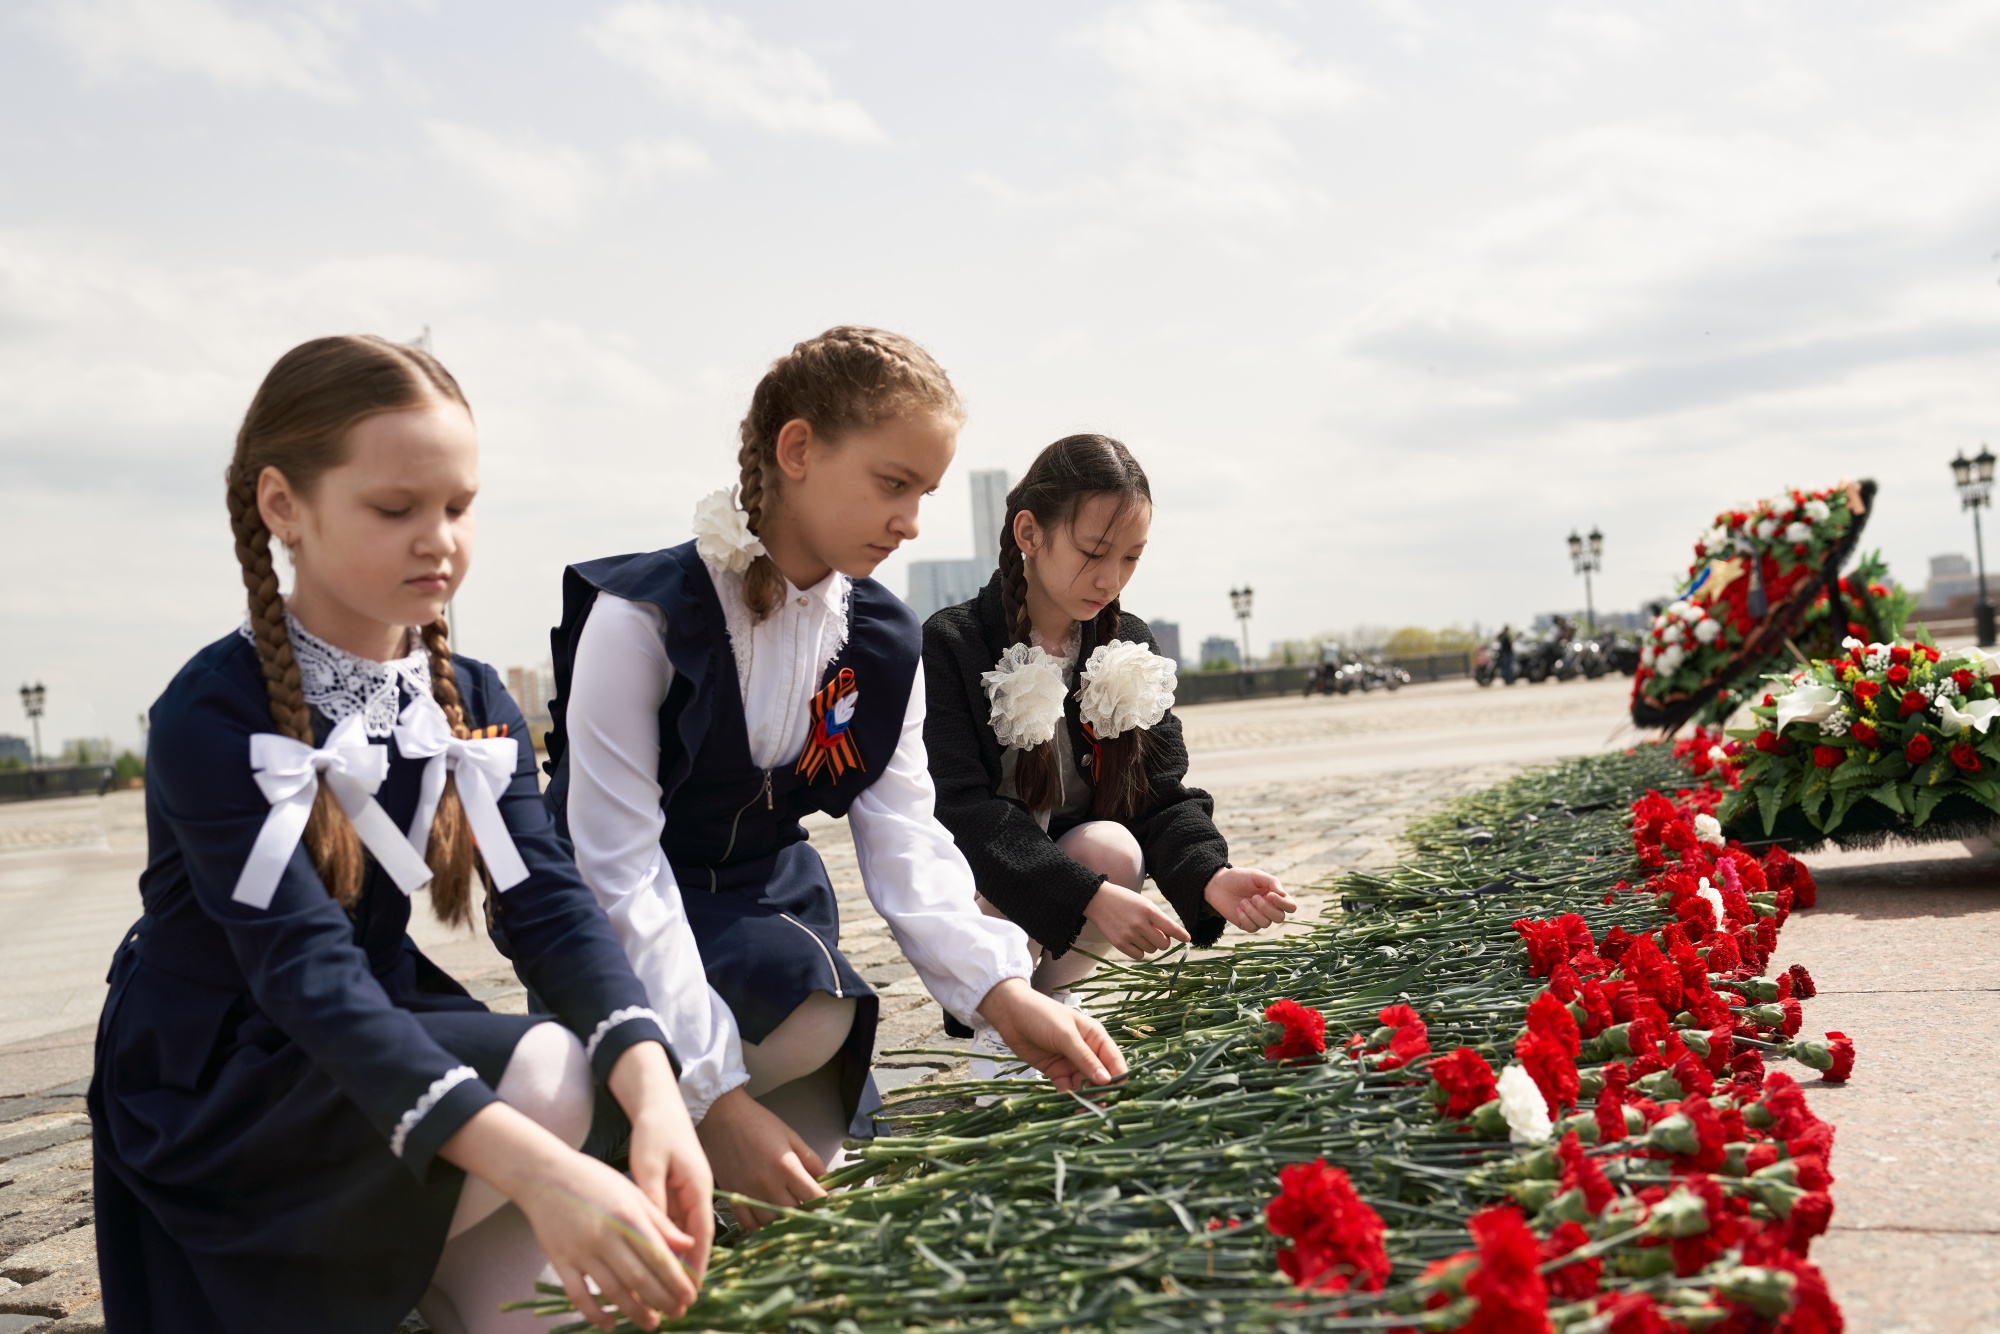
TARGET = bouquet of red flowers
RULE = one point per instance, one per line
(1757, 576)
(1886, 738)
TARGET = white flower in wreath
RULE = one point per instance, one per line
(1125, 686)
(1849, 644)
(1647, 654)
(1799, 532)
(1027, 692)
(1708, 829)
(1978, 715)
(1671, 659)
(722, 535)
(1767, 529)
(1708, 630)
(1806, 702)
(1835, 724)
(1817, 511)
(1523, 1107)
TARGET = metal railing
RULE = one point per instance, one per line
(1263, 682)
(69, 780)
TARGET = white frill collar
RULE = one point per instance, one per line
(833, 592)
(341, 684)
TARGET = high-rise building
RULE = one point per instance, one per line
(1168, 633)
(1221, 648)
(936, 584)
(532, 688)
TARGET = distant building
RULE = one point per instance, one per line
(15, 749)
(532, 689)
(937, 584)
(1169, 635)
(1952, 580)
(1221, 648)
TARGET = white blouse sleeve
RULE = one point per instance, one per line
(615, 818)
(919, 881)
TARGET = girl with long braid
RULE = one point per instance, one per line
(1056, 755)
(301, 1122)
(711, 695)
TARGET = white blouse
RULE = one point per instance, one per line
(912, 870)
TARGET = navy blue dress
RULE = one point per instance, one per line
(755, 891)
(255, 1065)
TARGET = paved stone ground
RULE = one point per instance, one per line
(1904, 946)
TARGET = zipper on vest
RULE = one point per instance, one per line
(832, 971)
(765, 792)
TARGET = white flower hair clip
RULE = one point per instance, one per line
(722, 533)
(1026, 691)
(1126, 685)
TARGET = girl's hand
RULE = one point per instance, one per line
(594, 1225)
(1066, 1045)
(666, 1159)
(1249, 900)
(756, 1154)
(1129, 920)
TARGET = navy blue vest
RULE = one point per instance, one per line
(727, 819)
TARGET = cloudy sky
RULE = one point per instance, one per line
(1387, 296)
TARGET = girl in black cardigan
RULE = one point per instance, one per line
(1057, 760)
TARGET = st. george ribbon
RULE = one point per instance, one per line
(484, 767)
(289, 773)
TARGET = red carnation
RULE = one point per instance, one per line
(1802, 982)
(1304, 1034)
(1633, 1312)
(1552, 1067)
(1918, 750)
(1336, 1238)
(1794, 1016)
(1965, 757)
(1610, 1117)
(1913, 703)
(1866, 690)
(1549, 1016)
(1865, 733)
(1827, 757)
(1571, 1282)
(1467, 1079)
(1408, 1039)
(1842, 1047)
(1580, 1172)
(1512, 1297)
(1810, 1215)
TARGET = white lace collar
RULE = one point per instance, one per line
(341, 684)
(1065, 652)
(832, 591)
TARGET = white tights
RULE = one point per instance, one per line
(795, 1071)
(1104, 846)
(490, 1255)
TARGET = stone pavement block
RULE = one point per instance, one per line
(43, 1221)
(65, 1292)
(21, 1106)
(74, 1247)
(1912, 1282)
(33, 1135)
(90, 1320)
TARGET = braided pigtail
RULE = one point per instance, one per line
(330, 839)
(450, 851)
(1038, 769)
(1120, 785)
(847, 379)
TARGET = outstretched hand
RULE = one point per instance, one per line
(1067, 1045)
(755, 1153)
(1248, 899)
(1131, 921)
(666, 1159)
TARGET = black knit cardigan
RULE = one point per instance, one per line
(1017, 866)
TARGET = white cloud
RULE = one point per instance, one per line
(267, 48)
(713, 63)
(647, 161)
(539, 186)
(1204, 94)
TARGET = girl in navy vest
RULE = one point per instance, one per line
(301, 1122)
(712, 694)
(1058, 761)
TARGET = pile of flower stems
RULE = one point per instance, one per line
(1138, 1206)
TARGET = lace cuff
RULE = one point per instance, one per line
(423, 1106)
(612, 1020)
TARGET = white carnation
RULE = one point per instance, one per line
(1126, 685)
(722, 535)
(1707, 828)
(1707, 631)
(1817, 511)
(1647, 654)
(1799, 532)
(1713, 896)
(1026, 691)
(1525, 1109)
(1671, 659)
(1767, 529)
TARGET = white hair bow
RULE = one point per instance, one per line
(289, 773)
(484, 767)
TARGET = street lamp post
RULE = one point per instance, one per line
(1239, 602)
(1586, 557)
(32, 700)
(1974, 479)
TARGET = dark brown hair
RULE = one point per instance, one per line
(298, 423)
(1074, 469)
(849, 378)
